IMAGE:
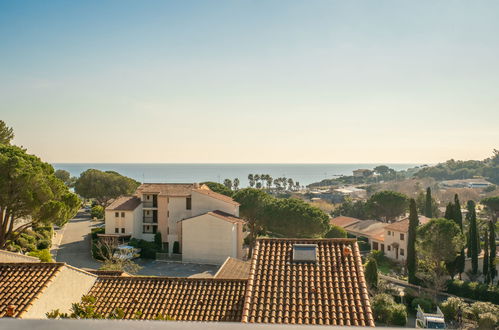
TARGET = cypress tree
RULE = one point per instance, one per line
(371, 273)
(428, 209)
(411, 242)
(473, 237)
(485, 269)
(449, 211)
(492, 251)
(458, 218)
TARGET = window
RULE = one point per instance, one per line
(389, 248)
(402, 237)
(122, 230)
(401, 252)
(188, 203)
(122, 214)
(147, 197)
(304, 252)
(389, 233)
(375, 246)
(147, 212)
(116, 214)
(116, 230)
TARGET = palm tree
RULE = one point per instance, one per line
(228, 183)
(257, 179)
(290, 184)
(269, 181)
(251, 180)
(236, 184)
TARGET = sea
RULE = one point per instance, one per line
(305, 174)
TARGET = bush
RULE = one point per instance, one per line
(148, 249)
(371, 274)
(480, 307)
(97, 211)
(364, 246)
(398, 315)
(176, 247)
(158, 241)
(43, 255)
(451, 306)
(474, 290)
(43, 244)
(487, 321)
(336, 232)
(95, 231)
(377, 255)
(426, 304)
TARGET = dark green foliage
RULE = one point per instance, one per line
(6, 133)
(474, 290)
(449, 211)
(336, 232)
(39, 238)
(219, 188)
(364, 246)
(97, 212)
(492, 252)
(425, 303)
(386, 311)
(43, 255)
(485, 269)
(293, 217)
(411, 242)
(458, 218)
(103, 186)
(428, 211)
(473, 236)
(357, 209)
(158, 241)
(371, 274)
(43, 244)
(148, 249)
(387, 205)
(176, 247)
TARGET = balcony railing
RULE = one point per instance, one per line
(150, 219)
(149, 204)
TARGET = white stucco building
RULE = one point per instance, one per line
(178, 212)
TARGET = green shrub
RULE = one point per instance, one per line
(398, 315)
(426, 304)
(364, 246)
(176, 247)
(487, 321)
(381, 306)
(336, 232)
(43, 255)
(481, 307)
(95, 231)
(158, 241)
(43, 244)
(97, 211)
(474, 290)
(148, 249)
(451, 306)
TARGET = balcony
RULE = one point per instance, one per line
(149, 204)
(150, 219)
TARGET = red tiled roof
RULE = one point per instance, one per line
(343, 221)
(367, 228)
(166, 189)
(22, 283)
(207, 191)
(234, 268)
(124, 203)
(183, 299)
(331, 291)
(403, 225)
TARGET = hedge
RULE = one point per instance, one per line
(474, 290)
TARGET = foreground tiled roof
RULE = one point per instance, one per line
(343, 221)
(167, 189)
(22, 283)
(124, 203)
(183, 299)
(234, 268)
(207, 191)
(331, 291)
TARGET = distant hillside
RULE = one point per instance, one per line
(467, 169)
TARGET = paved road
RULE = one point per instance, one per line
(74, 248)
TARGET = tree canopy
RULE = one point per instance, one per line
(30, 194)
(411, 242)
(336, 232)
(387, 205)
(6, 133)
(104, 186)
(219, 188)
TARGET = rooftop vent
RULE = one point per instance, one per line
(304, 252)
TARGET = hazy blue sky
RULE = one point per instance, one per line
(251, 81)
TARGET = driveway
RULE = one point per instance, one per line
(74, 247)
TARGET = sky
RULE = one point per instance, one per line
(251, 81)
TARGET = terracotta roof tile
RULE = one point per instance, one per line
(167, 189)
(367, 228)
(343, 221)
(183, 299)
(234, 268)
(21, 283)
(207, 191)
(331, 291)
(403, 225)
(124, 203)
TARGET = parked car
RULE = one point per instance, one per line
(126, 252)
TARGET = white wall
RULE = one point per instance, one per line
(395, 238)
(208, 239)
(68, 286)
(202, 203)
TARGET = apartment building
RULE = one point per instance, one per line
(162, 207)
